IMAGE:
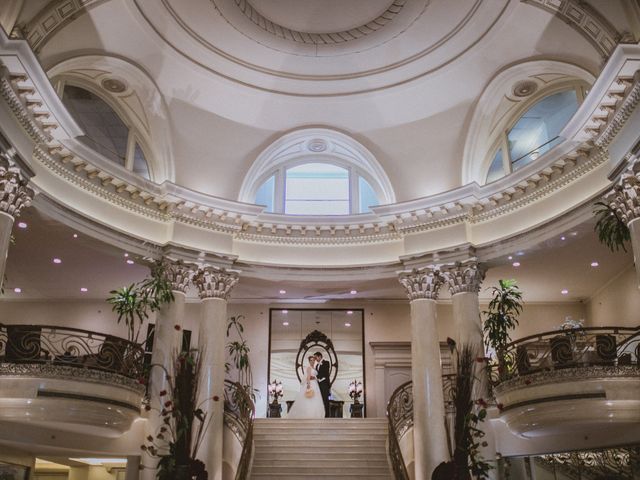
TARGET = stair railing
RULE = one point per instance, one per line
(239, 414)
(400, 418)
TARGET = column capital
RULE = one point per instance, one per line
(178, 273)
(14, 193)
(624, 197)
(215, 282)
(420, 283)
(466, 276)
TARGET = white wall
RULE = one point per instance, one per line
(616, 303)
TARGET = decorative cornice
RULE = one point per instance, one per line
(329, 38)
(62, 372)
(464, 276)
(421, 283)
(625, 195)
(621, 115)
(586, 20)
(215, 282)
(14, 193)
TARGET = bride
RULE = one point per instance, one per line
(308, 402)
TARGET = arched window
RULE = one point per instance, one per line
(534, 133)
(316, 171)
(105, 131)
(317, 189)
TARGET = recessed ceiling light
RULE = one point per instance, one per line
(130, 262)
(22, 225)
(286, 324)
(516, 264)
(84, 289)
(75, 235)
(574, 234)
(520, 254)
(282, 292)
(595, 264)
(17, 290)
(350, 312)
(347, 324)
(353, 292)
(510, 257)
(563, 238)
(564, 291)
(284, 312)
(57, 261)
(126, 255)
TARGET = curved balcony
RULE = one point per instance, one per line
(69, 379)
(570, 381)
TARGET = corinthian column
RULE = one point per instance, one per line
(214, 287)
(464, 280)
(429, 435)
(625, 199)
(167, 341)
(14, 196)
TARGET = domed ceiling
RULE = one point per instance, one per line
(401, 77)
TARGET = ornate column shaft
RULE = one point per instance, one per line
(429, 435)
(625, 199)
(133, 468)
(14, 196)
(214, 287)
(464, 280)
(167, 341)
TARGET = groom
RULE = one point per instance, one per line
(323, 382)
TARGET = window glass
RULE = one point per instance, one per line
(104, 131)
(496, 170)
(265, 194)
(140, 165)
(368, 197)
(536, 132)
(317, 189)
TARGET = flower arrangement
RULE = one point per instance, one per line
(275, 391)
(184, 422)
(355, 391)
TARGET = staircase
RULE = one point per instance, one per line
(327, 449)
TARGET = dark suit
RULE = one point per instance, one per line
(325, 386)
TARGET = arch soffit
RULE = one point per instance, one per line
(317, 145)
(140, 104)
(499, 105)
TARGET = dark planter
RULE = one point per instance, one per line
(183, 472)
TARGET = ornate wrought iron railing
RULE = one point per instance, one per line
(571, 348)
(400, 417)
(239, 413)
(71, 347)
(621, 463)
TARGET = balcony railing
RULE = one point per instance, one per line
(570, 348)
(71, 347)
(239, 413)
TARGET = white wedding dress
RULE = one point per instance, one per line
(304, 407)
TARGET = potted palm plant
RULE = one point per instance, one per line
(501, 318)
(611, 229)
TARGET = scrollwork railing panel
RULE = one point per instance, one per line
(620, 463)
(239, 413)
(400, 416)
(569, 348)
(70, 347)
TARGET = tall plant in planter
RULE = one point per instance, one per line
(501, 318)
(611, 229)
(135, 302)
(239, 353)
(184, 422)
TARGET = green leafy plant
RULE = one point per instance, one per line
(470, 412)
(611, 229)
(135, 302)
(239, 353)
(184, 422)
(502, 315)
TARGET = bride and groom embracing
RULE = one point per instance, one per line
(313, 399)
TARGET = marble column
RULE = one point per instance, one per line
(429, 434)
(14, 196)
(625, 199)
(214, 287)
(464, 280)
(167, 342)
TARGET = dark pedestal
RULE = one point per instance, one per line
(335, 408)
(274, 410)
(356, 410)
